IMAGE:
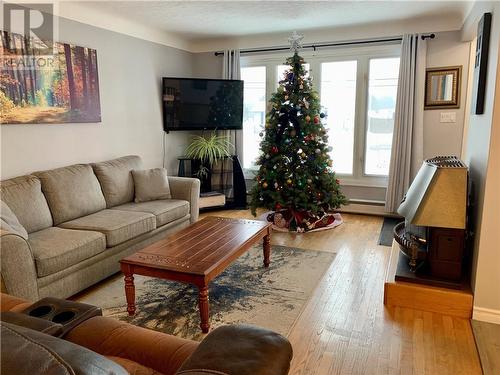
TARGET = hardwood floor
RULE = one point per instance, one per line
(345, 327)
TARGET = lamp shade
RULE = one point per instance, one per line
(437, 196)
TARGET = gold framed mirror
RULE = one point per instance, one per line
(442, 87)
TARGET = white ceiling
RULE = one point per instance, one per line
(196, 21)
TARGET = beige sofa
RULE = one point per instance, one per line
(81, 220)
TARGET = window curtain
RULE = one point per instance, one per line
(231, 70)
(407, 142)
(222, 177)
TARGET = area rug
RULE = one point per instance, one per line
(245, 293)
(387, 231)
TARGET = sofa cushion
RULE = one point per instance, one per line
(24, 197)
(116, 179)
(72, 192)
(166, 210)
(9, 221)
(118, 226)
(55, 249)
(151, 184)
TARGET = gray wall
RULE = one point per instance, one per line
(130, 72)
(207, 65)
(447, 49)
(482, 156)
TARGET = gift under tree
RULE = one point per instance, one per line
(296, 179)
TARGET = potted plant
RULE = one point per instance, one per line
(208, 150)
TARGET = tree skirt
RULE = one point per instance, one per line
(281, 223)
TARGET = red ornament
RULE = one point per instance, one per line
(337, 181)
(274, 150)
(278, 206)
(316, 119)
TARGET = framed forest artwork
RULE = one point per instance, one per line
(36, 88)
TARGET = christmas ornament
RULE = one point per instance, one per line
(268, 156)
(278, 206)
(265, 185)
(308, 118)
(261, 134)
(289, 181)
(316, 120)
(330, 163)
(274, 150)
(309, 181)
(322, 115)
(317, 151)
(276, 185)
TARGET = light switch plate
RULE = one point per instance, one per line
(448, 117)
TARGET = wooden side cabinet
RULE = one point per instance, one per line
(446, 252)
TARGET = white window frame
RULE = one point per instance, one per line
(315, 58)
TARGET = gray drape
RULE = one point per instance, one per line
(407, 143)
(230, 70)
(231, 64)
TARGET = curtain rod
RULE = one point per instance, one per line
(314, 46)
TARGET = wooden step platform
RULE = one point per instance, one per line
(425, 297)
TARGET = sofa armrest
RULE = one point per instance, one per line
(187, 189)
(110, 337)
(242, 350)
(37, 324)
(11, 303)
(18, 266)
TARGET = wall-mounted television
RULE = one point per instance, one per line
(198, 104)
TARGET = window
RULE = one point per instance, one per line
(357, 88)
(338, 98)
(382, 90)
(254, 111)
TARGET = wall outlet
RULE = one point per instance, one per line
(448, 117)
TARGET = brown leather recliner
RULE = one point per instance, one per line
(237, 350)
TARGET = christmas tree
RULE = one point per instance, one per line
(296, 178)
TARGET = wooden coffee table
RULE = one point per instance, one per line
(196, 255)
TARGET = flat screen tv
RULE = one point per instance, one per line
(198, 104)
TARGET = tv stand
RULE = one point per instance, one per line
(226, 178)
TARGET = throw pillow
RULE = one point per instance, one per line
(151, 184)
(9, 222)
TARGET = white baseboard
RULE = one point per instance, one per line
(486, 315)
(367, 209)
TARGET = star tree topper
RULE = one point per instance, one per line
(295, 41)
